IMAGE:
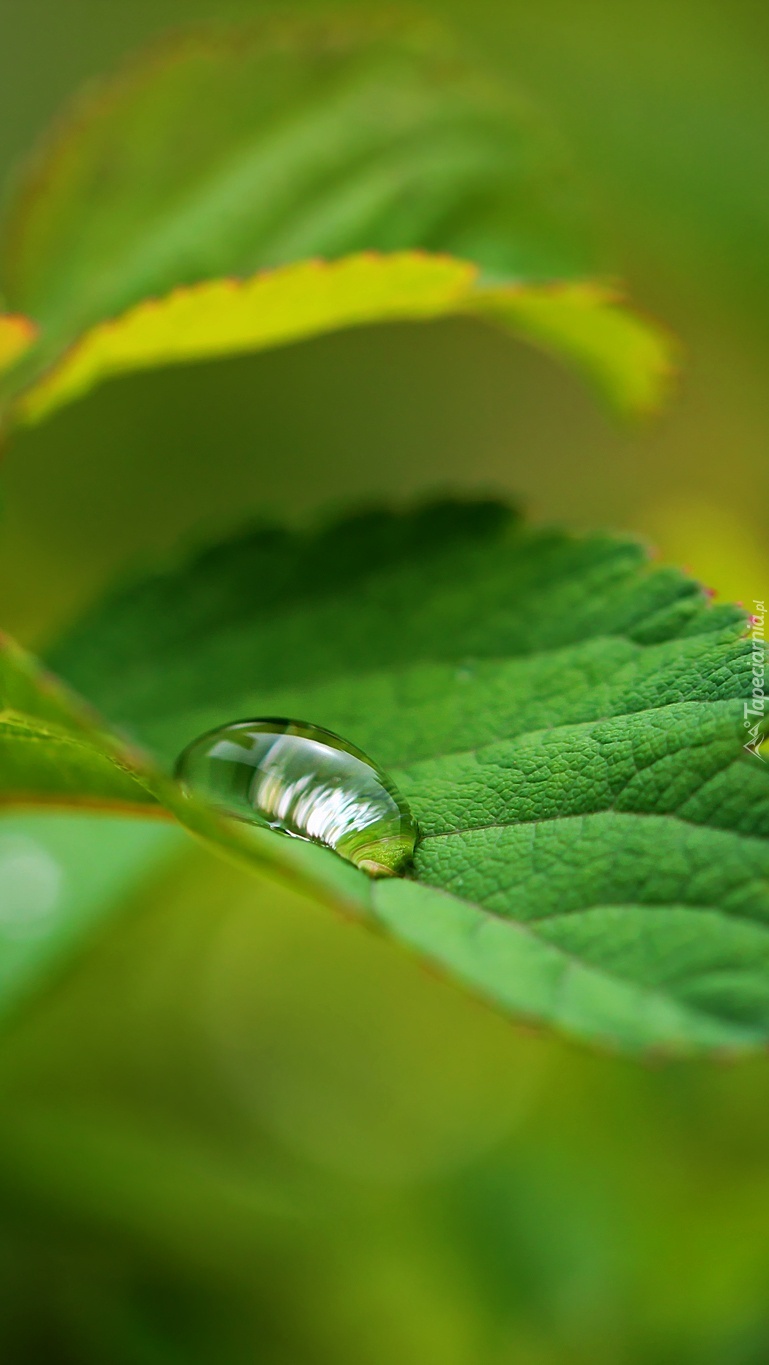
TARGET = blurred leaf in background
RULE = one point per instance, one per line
(225, 151)
(331, 138)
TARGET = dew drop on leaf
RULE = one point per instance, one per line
(306, 782)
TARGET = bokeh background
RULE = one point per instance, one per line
(236, 1130)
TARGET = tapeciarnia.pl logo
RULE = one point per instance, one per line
(753, 710)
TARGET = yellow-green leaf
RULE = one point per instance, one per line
(628, 358)
(225, 151)
(250, 173)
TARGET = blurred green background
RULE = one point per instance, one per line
(238, 1130)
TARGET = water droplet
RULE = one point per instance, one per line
(306, 782)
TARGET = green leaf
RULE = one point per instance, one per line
(565, 719)
(185, 210)
(51, 748)
(62, 875)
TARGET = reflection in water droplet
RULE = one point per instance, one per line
(30, 887)
(306, 782)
